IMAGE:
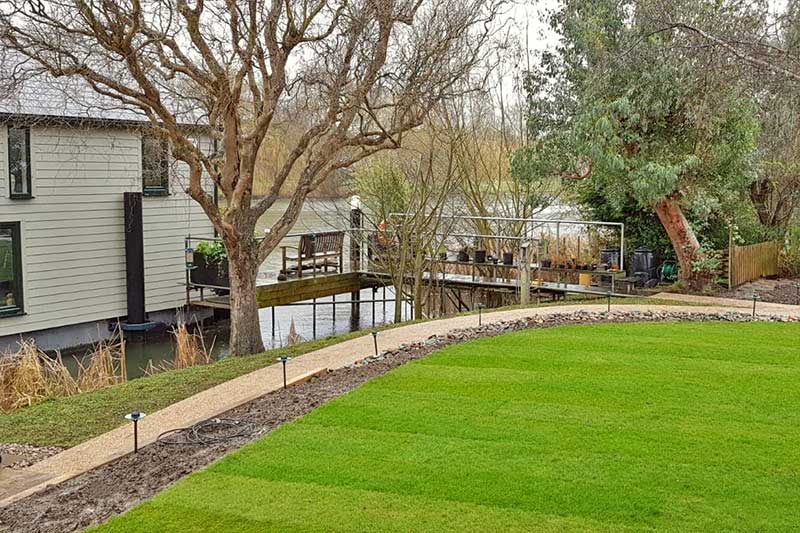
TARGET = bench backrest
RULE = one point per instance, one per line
(325, 242)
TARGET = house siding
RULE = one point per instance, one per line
(73, 243)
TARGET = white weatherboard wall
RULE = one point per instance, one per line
(73, 244)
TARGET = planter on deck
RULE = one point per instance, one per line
(206, 273)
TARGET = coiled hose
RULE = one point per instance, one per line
(206, 432)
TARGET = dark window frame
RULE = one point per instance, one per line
(16, 251)
(28, 165)
(163, 189)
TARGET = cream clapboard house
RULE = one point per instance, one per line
(65, 165)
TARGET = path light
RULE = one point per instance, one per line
(375, 341)
(135, 417)
(284, 359)
(756, 297)
(608, 296)
(480, 317)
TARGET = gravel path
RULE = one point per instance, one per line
(93, 497)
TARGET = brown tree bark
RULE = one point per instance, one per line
(681, 235)
(243, 265)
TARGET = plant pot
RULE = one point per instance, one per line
(480, 256)
(463, 257)
(546, 263)
(205, 273)
(508, 258)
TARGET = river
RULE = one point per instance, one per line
(316, 216)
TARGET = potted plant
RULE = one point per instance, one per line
(463, 256)
(508, 258)
(210, 264)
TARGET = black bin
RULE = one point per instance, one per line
(610, 256)
(643, 263)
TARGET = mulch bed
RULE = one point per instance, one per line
(95, 496)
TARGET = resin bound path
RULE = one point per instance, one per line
(17, 484)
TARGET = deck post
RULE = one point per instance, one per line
(314, 318)
(355, 254)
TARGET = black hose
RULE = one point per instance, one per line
(203, 432)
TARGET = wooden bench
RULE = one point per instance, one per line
(315, 251)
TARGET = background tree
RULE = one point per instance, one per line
(643, 128)
(359, 72)
(754, 43)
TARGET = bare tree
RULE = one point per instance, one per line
(407, 197)
(361, 73)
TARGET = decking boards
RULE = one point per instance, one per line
(275, 293)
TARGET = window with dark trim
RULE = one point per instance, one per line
(155, 166)
(10, 270)
(19, 163)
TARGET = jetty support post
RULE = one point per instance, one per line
(356, 225)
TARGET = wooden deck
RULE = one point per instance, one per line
(276, 293)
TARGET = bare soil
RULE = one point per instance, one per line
(95, 496)
(778, 291)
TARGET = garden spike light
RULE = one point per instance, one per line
(375, 341)
(756, 297)
(283, 359)
(480, 317)
(135, 417)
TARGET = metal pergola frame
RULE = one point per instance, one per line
(539, 222)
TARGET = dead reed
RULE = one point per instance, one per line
(190, 350)
(293, 337)
(29, 375)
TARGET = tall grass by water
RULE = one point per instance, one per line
(29, 375)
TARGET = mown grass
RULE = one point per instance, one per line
(70, 421)
(674, 426)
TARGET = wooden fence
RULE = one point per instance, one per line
(746, 263)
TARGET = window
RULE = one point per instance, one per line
(19, 162)
(155, 166)
(10, 270)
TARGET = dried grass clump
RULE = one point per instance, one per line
(190, 350)
(106, 365)
(293, 337)
(29, 375)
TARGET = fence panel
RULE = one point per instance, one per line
(747, 263)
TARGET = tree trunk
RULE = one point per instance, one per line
(245, 325)
(418, 301)
(681, 235)
(398, 303)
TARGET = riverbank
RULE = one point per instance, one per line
(66, 422)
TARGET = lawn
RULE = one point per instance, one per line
(686, 426)
(70, 421)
